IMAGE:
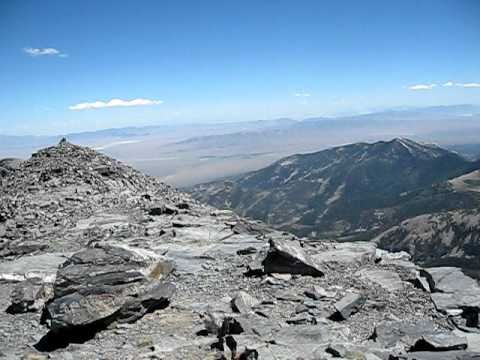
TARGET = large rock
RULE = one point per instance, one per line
(452, 289)
(285, 256)
(105, 284)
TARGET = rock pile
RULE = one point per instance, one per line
(100, 261)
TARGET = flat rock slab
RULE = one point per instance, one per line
(452, 289)
(417, 336)
(387, 279)
(348, 253)
(43, 267)
(435, 355)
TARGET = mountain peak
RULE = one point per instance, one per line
(316, 193)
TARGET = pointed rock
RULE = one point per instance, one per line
(288, 257)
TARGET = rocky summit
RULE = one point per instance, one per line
(99, 261)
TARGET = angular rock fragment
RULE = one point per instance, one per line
(243, 302)
(288, 257)
(347, 306)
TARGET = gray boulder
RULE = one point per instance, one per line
(107, 284)
(286, 256)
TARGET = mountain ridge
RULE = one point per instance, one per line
(321, 188)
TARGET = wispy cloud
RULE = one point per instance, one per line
(114, 103)
(446, 84)
(302, 94)
(468, 85)
(422, 87)
(35, 52)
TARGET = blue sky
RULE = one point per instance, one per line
(62, 62)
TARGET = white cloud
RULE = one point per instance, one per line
(35, 52)
(448, 84)
(114, 103)
(422, 87)
(468, 85)
(302, 94)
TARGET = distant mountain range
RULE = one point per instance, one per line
(189, 154)
(358, 191)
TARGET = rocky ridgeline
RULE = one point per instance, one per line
(102, 262)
